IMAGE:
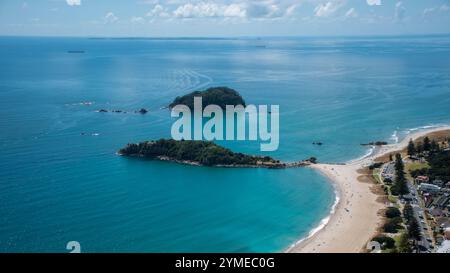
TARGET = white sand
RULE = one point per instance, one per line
(356, 216)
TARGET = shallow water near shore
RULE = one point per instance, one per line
(62, 181)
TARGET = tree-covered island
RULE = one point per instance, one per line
(201, 153)
(220, 96)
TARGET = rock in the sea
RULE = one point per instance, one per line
(102, 111)
(377, 143)
(143, 111)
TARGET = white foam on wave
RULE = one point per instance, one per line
(368, 153)
(431, 126)
(323, 222)
(394, 137)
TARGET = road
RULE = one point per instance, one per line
(421, 219)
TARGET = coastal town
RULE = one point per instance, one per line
(391, 201)
(416, 181)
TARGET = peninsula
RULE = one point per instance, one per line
(203, 153)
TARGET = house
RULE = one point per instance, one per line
(425, 187)
(421, 179)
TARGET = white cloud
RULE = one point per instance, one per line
(327, 9)
(137, 20)
(374, 2)
(73, 2)
(209, 9)
(264, 9)
(196, 10)
(351, 13)
(110, 18)
(444, 7)
(251, 9)
(234, 10)
(428, 11)
(291, 10)
(436, 10)
(159, 11)
(399, 11)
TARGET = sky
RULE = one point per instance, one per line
(223, 18)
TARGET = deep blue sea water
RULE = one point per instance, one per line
(60, 179)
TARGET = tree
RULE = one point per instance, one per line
(426, 144)
(414, 229)
(422, 171)
(400, 186)
(392, 225)
(392, 212)
(404, 245)
(399, 163)
(385, 241)
(419, 147)
(313, 160)
(411, 148)
(434, 146)
(408, 212)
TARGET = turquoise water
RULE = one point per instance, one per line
(61, 179)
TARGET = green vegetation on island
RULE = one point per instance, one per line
(203, 153)
(220, 96)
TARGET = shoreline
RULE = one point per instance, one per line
(265, 165)
(355, 215)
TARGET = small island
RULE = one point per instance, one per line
(141, 111)
(220, 96)
(201, 153)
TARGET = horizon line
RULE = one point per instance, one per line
(229, 37)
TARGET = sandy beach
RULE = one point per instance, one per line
(357, 215)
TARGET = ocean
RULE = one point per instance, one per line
(62, 181)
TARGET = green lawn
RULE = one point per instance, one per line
(415, 166)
